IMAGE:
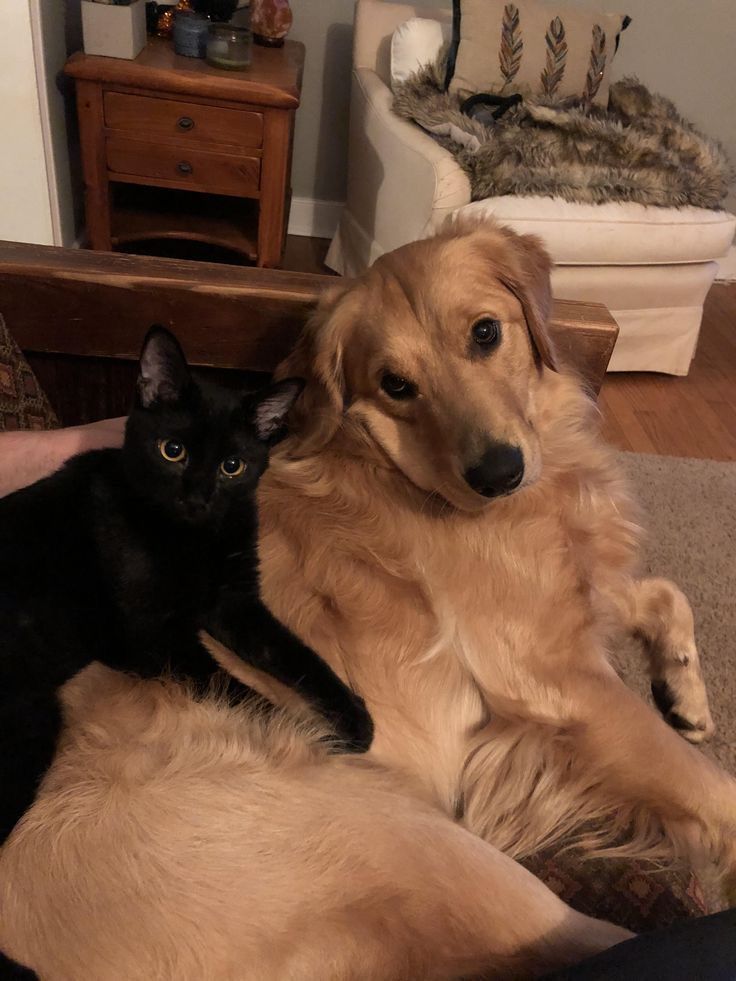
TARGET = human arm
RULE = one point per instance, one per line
(27, 456)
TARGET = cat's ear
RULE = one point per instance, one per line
(271, 406)
(163, 368)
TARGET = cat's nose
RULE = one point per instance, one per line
(196, 505)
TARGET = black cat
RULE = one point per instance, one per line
(123, 555)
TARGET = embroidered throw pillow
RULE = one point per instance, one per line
(533, 48)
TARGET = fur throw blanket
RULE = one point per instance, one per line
(639, 149)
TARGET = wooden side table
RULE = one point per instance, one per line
(174, 123)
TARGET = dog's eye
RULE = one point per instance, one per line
(486, 332)
(172, 450)
(398, 387)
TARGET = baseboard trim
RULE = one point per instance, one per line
(727, 267)
(314, 218)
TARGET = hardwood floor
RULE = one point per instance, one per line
(304, 254)
(643, 412)
(693, 416)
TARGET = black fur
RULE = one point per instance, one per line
(10, 971)
(122, 556)
(665, 702)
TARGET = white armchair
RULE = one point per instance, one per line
(652, 267)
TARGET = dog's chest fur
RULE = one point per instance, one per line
(433, 618)
(508, 587)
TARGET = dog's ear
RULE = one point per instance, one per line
(319, 359)
(528, 278)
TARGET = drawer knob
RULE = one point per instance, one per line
(186, 122)
(184, 167)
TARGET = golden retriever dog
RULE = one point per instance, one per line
(447, 529)
(183, 840)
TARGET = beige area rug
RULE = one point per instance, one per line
(690, 517)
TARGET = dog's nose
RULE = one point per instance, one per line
(498, 471)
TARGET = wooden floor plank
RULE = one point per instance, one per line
(614, 432)
(693, 416)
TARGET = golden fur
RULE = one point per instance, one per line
(477, 630)
(175, 839)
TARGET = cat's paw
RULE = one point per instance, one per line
(355, 727)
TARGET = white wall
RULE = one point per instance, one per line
(59, 33)
(321, 133)
(25, 211)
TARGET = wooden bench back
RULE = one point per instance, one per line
(80, 317)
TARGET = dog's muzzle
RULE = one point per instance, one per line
(499, 471)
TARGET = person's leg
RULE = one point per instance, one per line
(28, 455)
(696, 950)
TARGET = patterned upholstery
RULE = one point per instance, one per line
(633, 894)
(23, 405)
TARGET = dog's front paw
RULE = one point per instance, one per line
(683, 702)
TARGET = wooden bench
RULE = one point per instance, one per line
(80, 317)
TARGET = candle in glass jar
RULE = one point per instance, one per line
(229, 47)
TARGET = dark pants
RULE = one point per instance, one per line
(696, 950)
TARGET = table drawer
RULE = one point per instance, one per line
(186, 167)
(192, 123)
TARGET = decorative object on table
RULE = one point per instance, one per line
(229, 47)
(270, 21)
(160, 16)
(191, 31)
(165, 20)
(167, 14)
(114, 29)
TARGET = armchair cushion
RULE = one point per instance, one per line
(614, 233)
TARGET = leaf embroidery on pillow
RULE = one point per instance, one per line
(512, 43)
(597, 64)
(556, 57)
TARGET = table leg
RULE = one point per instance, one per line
(278, 128)
(97, 189)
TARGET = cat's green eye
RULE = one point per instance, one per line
(172, 450)
(232, 466)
